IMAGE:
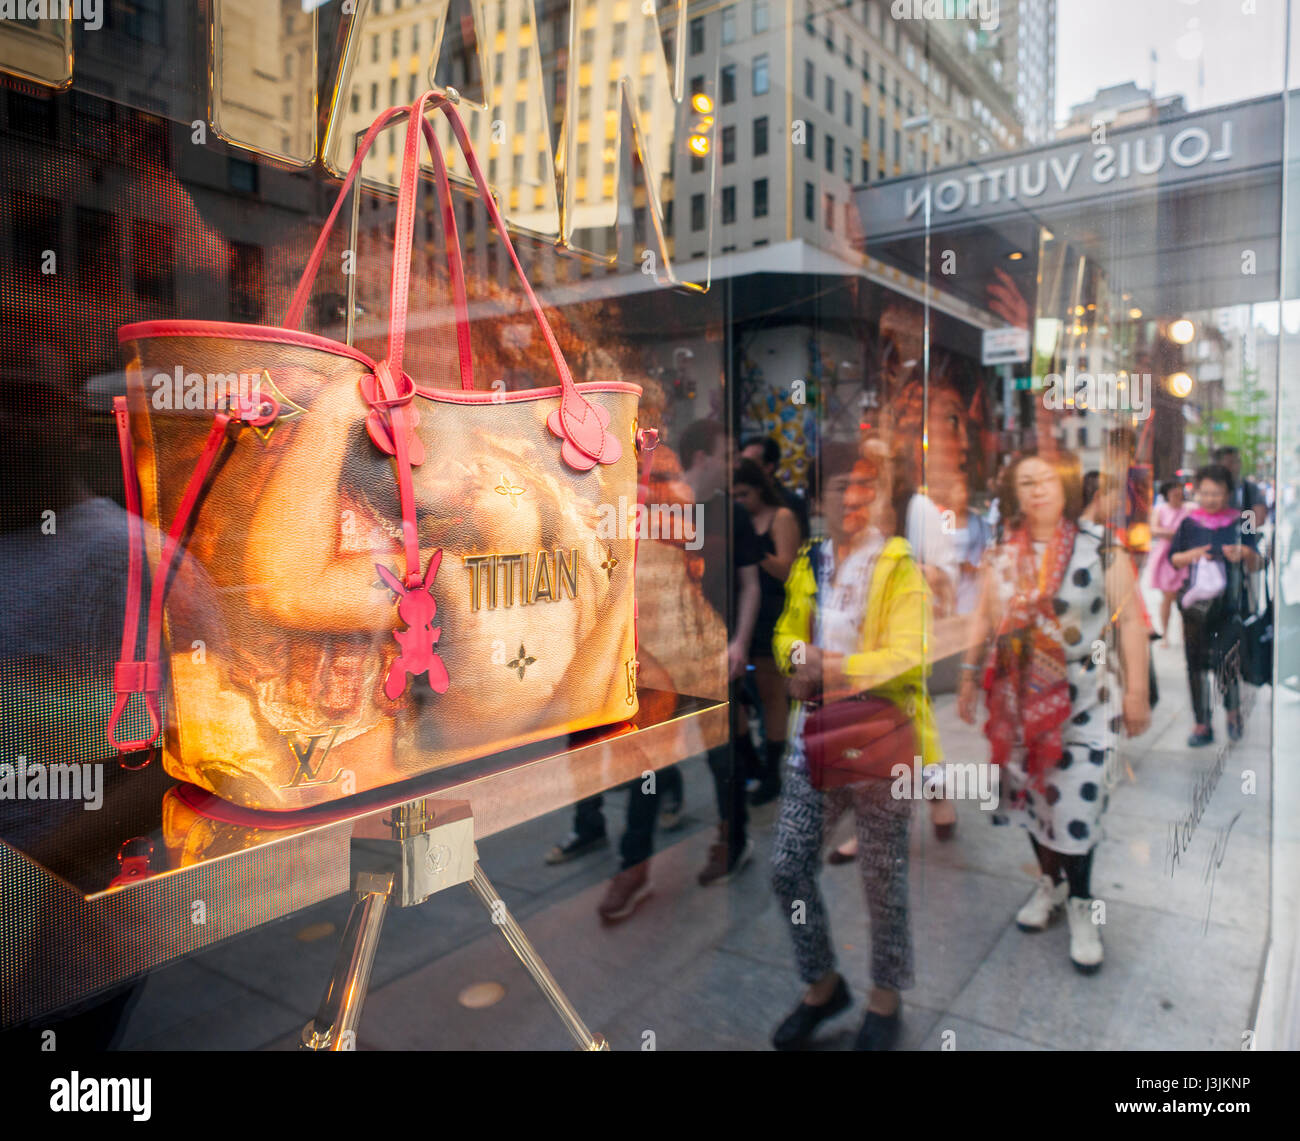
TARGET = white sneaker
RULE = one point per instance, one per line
(1085, 936)
(1043, 905)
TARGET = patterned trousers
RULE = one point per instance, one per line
(807, 818)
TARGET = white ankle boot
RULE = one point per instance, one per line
(1042, 905)
(1085, 936)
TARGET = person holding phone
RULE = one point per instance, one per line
(1217, 549)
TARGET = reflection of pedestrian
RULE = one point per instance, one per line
(778, 537)
(857, 608)
(1044, 602)
(731, 586)
(1216, 548)
(1165, 577)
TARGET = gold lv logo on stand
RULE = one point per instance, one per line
(304, 754)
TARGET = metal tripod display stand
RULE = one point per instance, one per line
(402, 858)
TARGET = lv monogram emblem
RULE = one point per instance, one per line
(289, 410)
(304, 754)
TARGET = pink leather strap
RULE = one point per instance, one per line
(298, 303)
(130, 676)
(145, 677)
(580, 424)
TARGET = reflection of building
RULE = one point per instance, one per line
(518, 136)
(854, 76)
(1122, 105)
(265, 91)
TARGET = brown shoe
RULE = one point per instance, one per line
(625, 893)
(722, 866)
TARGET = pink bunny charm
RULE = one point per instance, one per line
(417, 608)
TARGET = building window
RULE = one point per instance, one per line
(866, 66)
(697, 84)
(811, 143)
(523, 63)
(866, 170)
(397, 42)
(830, 95)
(521, 116)
(829, 151)
(830, 211)
(729, 83)
(729, 25)
(830, 34)
(808, 18)
(866, 121)
(760, 198)
(760, 75)
(809, 202)
(848, 165)
(619, 47)
(728, 205)
(809, 79)
(697, 212)
(848, 109)
(374, 49)
(760, 136)
(587, 46)
(728, 145)
(697, 164)
(697, 35)
(760, 16)
(880, 87)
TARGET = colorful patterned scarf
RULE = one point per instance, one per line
(1025, 672)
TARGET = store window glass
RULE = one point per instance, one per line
(892, 619)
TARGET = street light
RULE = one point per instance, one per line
(1182, 331)
(1180, 384)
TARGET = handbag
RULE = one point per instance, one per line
(857, 739)
(357, 578)
(1256, 639)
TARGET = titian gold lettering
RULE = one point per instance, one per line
(509, 564)
(550, 576)
(567, 574)
(542, 578)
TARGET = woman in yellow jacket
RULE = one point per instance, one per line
(856, 618)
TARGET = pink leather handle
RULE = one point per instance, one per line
(579, 424)
(298, 303)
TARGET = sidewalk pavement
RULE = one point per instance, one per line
(712, 968)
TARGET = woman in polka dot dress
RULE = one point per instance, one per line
(1049, 595)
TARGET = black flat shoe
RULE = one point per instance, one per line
(879, 1031)
(794, 1032)
(945, 832)
(1200, 738)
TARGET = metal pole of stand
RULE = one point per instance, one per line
(335, 1024)
(533, 964)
